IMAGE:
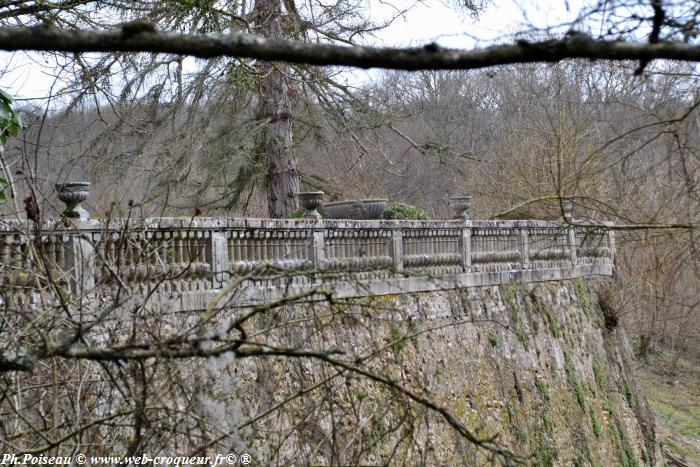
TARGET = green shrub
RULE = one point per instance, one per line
(397, 211)
(403, 211)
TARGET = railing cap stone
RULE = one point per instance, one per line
(203, 223)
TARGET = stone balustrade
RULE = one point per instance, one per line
(187, 262)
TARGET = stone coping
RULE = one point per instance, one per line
(257, 294)
(223, 223)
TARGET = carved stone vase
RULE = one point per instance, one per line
(311, 201)
(462, 205)
(73, 194)
(361, 209)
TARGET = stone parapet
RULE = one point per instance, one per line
(183, 258)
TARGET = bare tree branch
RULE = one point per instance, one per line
(145, 38)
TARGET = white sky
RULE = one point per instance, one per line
(29, 76)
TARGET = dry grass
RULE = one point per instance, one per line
(675, 399)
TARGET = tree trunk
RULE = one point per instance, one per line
(274, 114)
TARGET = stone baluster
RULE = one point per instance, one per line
(524, 246)
(259, 243)
(8, 258)
(346, 242)
(298, 244)
(397, 249)
(253, 251)
(110, 254)
(45, 252)
(5, 259)
(288, 245)
(330, 243)
(361, 243)
(302, 239)
(16, 255)
(218, 258)
(277, 240)
(147, 255)
(611, 241)
(465, 245)
(199, 238)
(571, 234)
(80, 261)
(188, 255)
(247, 246)
(236, 246)
(295, 244)
(163, 256)
(318, 249)
(171, 243)
(264, 245)
(242, 243)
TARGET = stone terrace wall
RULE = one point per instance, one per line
(537, 365)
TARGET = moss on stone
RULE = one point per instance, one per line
(629, 394)
(543, 389)
(510, 296)
(625, 453)
(595, 424)
(510, 411)
(545, 454)
(584, 297)
(601, 378)
(396, 339)
(618, 435)
(573, 382)
(413, 331)
(493, 340)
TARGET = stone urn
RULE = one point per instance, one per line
(362, 209)
(73, 194)
(462, 205)
(310, 201)
(567, 208)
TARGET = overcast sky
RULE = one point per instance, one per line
(436, 21)
(428, 21)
